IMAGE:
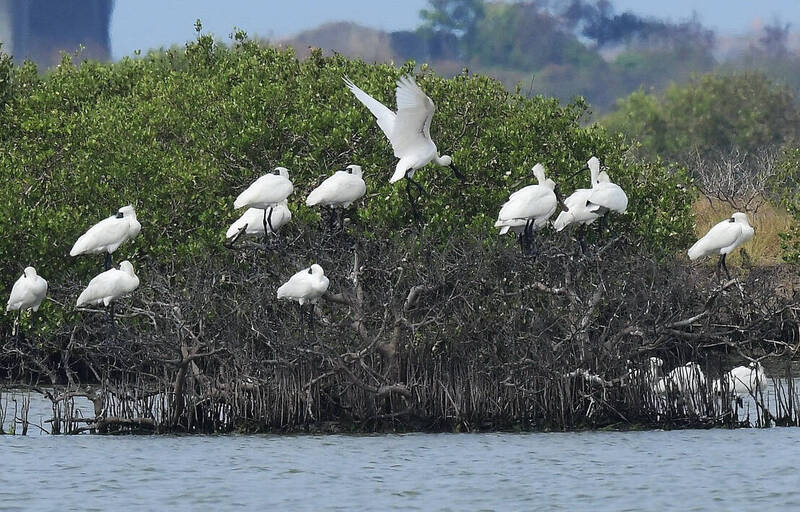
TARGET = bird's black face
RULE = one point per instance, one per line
(309, 270)
(349, 170)
(276, 172)
(119, 215)
(731, 220)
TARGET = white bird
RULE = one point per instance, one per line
(110, 285)
(722, 239)
(308, 285)
(685, 380)
(266, 193)
(587, 204)
(252, 222)
(529, 208)
(28, 292)
(339, 191)
(743, 380)
(408, 130)
(108, 234)
(606, 196)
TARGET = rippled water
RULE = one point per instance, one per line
(679, 470)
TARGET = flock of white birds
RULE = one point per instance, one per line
(408, 131)
(689, 379)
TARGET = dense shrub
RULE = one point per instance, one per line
(179, 133)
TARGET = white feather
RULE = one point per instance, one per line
(108, 234)
(110, 285)
(308, 285)
(340, 190)
(28, 292)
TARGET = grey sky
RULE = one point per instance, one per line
(144, 24)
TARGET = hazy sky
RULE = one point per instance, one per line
(144, 24)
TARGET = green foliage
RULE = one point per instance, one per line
(180, 133)
(712, 112)
(788, 184)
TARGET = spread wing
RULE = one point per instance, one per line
(414, 113)
(384, 116)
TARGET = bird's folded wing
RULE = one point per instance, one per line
(106, 232)
(383, 115)
(414, 114)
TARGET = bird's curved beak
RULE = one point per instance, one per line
(457, 172)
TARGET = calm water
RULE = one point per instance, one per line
(682, 470)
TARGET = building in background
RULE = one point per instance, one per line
(40, 29)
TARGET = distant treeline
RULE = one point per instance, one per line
(577, 48)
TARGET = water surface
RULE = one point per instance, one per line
(598, 471)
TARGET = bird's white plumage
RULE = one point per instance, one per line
(607, 196)
(578, 211)
(587, 204)
(108, 234)
(308, 285)
(650, 374)
(253, 218)
(340, 190)
(724, 237)
(267, 191)
(686, 379)
(532, 203)
(110, 285)
(743, 380)
(28, 291)
(408, 130)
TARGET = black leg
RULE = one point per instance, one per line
(725, 267)
(341, 219)
(413, 201)
(601, 226)
(18, 328)
(581, 241)
(311, 318)
(108, 261)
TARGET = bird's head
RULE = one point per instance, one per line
(353, 169)
(127, 267)
(29, 272)
(126, 211)
(281, 171)
(316, 270)
(739, 217)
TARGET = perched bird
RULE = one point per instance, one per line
(722, 239)
(108, 234)
(266, 193)
(743, 380)
(606, 196)
(28, 292)
(339, 191)
(408, 130)
(110, 285)
(306, 286)
(686, 380)
(578, 211)
(528, 209)
(251, 222)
